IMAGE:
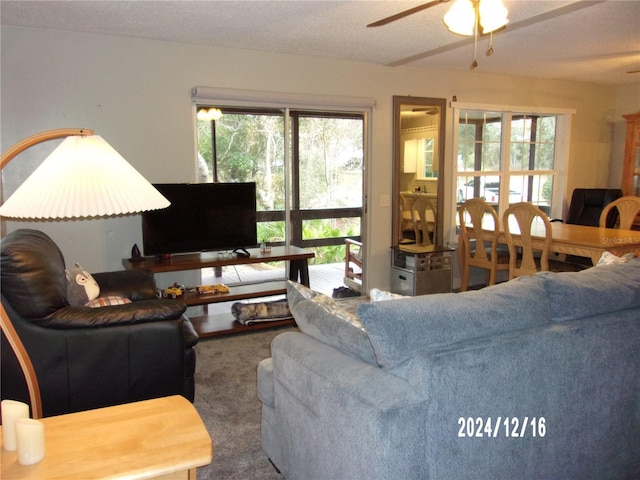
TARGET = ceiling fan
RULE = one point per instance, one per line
(426, 110)
(406, 13)
(465, 17)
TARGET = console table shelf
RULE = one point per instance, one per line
(224, 324)
(209, 325)
(237, 292)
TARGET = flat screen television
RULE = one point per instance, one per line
(201, 217)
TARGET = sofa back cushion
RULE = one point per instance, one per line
(33, 273)
(594, 291)
(398, 329)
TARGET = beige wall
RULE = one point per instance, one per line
(136, 94)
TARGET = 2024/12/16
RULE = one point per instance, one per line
(510, 427)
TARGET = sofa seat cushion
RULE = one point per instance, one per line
(594, 291)
(398, 329)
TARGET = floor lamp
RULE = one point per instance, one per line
(84, 177)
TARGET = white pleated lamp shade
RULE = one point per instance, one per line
(83, 177)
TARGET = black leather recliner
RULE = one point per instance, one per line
(83, 357)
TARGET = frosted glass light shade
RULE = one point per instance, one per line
(461, 17)
(493, 15)
(83, 177)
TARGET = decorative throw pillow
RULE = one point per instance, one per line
(81, 287)
(107, 301)
(322, 318)
(296, 293)
(378, 295)
(608, 258)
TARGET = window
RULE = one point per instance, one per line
(327, 155)
(506, 156)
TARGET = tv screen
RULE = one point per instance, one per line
(201, 217)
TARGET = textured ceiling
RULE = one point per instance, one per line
(597, 41)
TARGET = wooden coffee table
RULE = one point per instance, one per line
(163, 438)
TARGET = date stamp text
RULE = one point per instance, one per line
(509, 427)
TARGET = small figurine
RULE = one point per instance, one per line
(215, 288)
(174, 291)
(136, 256)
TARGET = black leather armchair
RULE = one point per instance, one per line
(85, 357)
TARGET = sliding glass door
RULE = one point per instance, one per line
(324, 203)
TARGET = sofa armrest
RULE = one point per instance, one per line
(339, 417)
(133, 284)
(144, 311)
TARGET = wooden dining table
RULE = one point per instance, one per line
(584, 241)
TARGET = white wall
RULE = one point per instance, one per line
(136, 94)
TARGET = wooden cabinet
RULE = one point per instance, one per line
(631, 166)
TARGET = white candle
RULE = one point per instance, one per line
(30, 437)
(11, 411)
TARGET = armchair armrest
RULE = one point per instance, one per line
(133, 284)
(144, 311)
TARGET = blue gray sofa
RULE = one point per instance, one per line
(536, 378)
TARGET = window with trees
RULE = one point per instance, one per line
(324, 203)
(506, 157)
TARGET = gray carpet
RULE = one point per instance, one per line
(226, 399)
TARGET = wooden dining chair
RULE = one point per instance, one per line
(479, 247)
(407, 230)
(532, 256)
(628, 208)
(424, 225)
(526, 255)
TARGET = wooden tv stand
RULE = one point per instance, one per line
(222, 324)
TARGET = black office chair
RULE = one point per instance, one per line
(585, 209)
(587, 205)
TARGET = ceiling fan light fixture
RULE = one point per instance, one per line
(461, 17)
(493, 15)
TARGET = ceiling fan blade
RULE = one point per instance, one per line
(426, 110)
(406, 13)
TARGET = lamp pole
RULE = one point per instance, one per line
(5, 323)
